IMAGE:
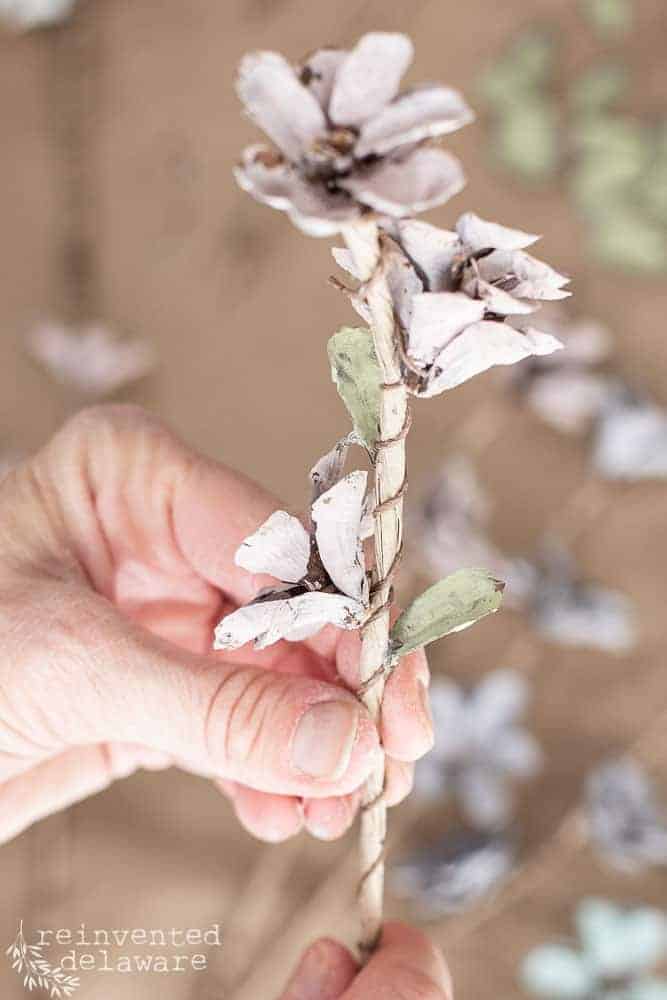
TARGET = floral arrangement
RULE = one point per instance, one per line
(355, 156)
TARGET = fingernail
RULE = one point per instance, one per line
(427, 718)
(324, 737)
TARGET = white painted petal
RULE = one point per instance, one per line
(482, 346)
(496, 300)
(424, 178)
(437, 317)
(264, 621)
(319, 212)
(266, 177)
(403, 281)
(421, 113)
(280, 547)
(569, 400)
(329, 469)
(432, 249)
(524, 276)
(277, 101)
(314, 610)
(337, 515)
(345, 259)
(294, 618)
(319, 73)
(369, 77)
(477, 234)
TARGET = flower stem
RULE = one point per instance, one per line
(390, 481)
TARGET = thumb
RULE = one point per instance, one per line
(99, 677)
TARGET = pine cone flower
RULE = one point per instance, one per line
(453, 293)
(347, 141)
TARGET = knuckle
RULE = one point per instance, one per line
(240, 713)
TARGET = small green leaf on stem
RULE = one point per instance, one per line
(448, 606)
(356, 374)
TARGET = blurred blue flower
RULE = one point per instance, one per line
(618, 949)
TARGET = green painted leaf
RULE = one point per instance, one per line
(599, 87)
(356, 374)
(610, 18)
(527, 139)
(448, 606)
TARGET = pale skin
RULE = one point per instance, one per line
(117, 547)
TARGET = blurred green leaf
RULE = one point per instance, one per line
(448, 606)
(625, 239)
(356, 374)
(653, 190)
(526, 139)
(610, 18)
(613, 135)
(599, 87)
(525, 67)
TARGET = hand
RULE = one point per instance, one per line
(405, 965)
(116, 560)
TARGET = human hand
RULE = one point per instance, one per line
(117, 551)
(406, 964)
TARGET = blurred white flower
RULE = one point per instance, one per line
(480, 747)
(347, 140)
(452, 294)
(625, 822)
(574, 613)
(26, 14)
(322, 572)
(631, 439)
(454, 874)
(618, 950)
(452, 532)
(93, 360)
(567, 390)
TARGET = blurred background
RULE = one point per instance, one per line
(120, 130)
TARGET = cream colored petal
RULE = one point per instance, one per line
(319, 73)
(482, 346)
(432, 249)
(337, 515)
(437, 317)
(424, 112)
(369, 77)
(278, 102)
(279, 547)
(424, 178)
(477, 234)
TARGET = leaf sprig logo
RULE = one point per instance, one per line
(28, 961)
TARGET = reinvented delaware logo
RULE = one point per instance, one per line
(38, 974)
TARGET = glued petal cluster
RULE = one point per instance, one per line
(321, 570)
(345, 140)
(454, 293)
